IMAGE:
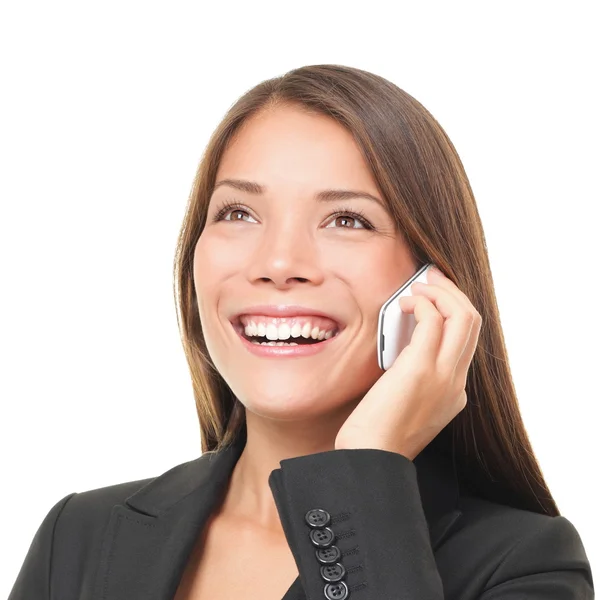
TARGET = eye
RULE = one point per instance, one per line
(348, 214)
(229, 208)
(356, 216)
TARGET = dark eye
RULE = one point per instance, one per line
(352, 217)
(344, 215)
(230, 209)
(239, 212)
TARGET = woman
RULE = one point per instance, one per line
(320, 194)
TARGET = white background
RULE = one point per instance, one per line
(106, 109)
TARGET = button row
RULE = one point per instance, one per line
(327, 554)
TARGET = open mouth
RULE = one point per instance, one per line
(298, 340)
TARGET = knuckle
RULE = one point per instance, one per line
(437, 317)
(461, 385)
(466, 319)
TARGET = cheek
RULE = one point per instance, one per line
(209, 251)
(214, 260)
(373, 273)
(208, 269)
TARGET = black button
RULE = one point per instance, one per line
(317, 517)
(333, 572)
(336, 591)
(322, 538)
(329, 555)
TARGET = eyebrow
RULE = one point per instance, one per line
(251, 187)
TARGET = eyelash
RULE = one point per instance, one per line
(342, 212)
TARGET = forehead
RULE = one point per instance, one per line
(285, 146)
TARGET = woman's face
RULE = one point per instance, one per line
(284, 247)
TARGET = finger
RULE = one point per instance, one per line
(438, 278)
(457, 326)
(462, 368)
(427, 335)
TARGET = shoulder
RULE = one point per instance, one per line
(500, 544)
(510, 525)
(95, 505)
(84, 515)
(69, 538)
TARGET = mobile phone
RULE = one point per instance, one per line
(395, 328)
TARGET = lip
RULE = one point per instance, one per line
(284, 310)
(285, 351)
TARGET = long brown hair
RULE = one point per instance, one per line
(426, 189)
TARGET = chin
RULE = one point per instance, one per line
(297, 405)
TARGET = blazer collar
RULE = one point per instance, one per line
(209, 475)
(150, 537)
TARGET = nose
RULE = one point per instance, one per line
(285, 256)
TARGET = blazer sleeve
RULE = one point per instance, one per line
(366, 503)
(33, 580)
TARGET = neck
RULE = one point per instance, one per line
(248, 497)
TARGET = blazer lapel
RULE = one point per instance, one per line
(150, 537)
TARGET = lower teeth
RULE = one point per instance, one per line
(274, 343)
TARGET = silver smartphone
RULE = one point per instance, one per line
(395, 328)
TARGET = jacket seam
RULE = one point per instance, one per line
(51, 557)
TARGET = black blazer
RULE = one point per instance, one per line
(363, 523)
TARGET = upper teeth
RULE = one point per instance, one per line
(283, 331)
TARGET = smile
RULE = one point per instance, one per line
(267, 341)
